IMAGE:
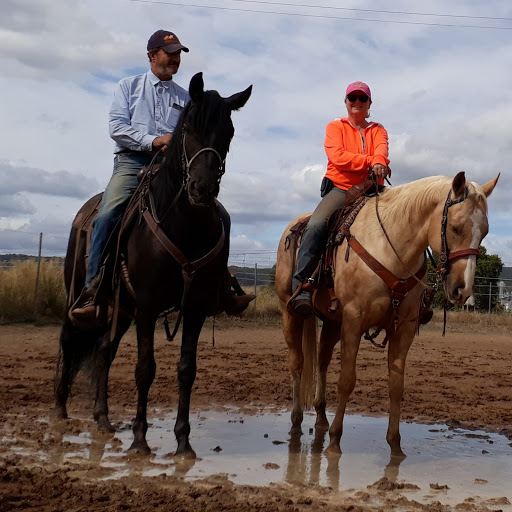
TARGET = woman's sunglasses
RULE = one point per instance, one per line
(354, 97)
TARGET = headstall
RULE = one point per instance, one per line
(445, 255)
(186, 163)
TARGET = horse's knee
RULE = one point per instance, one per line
(347, 383)
(145, 374)
(186, 374)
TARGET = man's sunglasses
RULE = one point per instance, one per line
(354, 97)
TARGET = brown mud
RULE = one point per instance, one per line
(462, 379)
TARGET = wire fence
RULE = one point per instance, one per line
(253, 269)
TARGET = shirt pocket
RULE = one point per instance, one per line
(174, 116)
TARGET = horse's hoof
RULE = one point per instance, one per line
(59, 412)
(140, 448)
(184, 456)
(185, 452)
(397, 454)
(333, 449)
(104, 425)
(296, 430)
(322, 424)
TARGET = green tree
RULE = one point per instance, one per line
(488, 269)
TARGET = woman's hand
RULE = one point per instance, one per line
(381, 171)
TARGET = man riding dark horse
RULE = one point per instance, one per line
(143, 116)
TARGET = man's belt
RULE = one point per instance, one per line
(135, 152)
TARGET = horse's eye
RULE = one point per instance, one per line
(457, 230)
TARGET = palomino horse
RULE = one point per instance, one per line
(175, 257)
(412, 215)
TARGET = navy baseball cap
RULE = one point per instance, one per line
(166, 40)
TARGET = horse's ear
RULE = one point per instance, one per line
(239, 99)
(459, 184)
(489, 187)
(196, 88)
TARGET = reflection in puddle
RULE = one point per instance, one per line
(449, 464)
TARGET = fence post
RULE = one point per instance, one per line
(36, 294)
(490, 291)
(255, 281)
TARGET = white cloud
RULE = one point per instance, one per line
(442, 93)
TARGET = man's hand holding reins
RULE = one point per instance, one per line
(162, 142)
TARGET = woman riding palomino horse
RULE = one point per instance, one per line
(174, 258)
(395, 228)
(353, 145)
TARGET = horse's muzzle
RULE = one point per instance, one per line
(457, 292)
(202, 194)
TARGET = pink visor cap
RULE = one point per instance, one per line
(359, 86)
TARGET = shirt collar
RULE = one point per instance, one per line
(154, 80)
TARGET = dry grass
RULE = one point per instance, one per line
(473, 322)
(18, 292)
(17, 303)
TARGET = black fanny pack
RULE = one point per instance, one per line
(326, 186)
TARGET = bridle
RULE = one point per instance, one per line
(446, 256)
(186, 163)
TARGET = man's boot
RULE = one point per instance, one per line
(236, 304)
(84, 312)
(235, 298)
(301, 302)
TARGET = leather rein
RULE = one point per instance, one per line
(399, 288)
(188, 268)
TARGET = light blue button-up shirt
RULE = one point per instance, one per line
(143, 109)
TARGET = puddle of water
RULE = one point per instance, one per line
(257, 449)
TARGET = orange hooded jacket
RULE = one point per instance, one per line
(350, 154)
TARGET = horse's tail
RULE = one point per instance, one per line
(76, 347)
(76, 352)
(309, 351)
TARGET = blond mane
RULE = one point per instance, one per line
(412, 198)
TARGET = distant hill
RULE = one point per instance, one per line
(7, 260)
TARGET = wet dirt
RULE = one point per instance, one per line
(458, 388)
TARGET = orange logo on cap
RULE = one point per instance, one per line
(168, 37)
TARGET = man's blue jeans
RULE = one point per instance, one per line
(120, 189)
(315, 236)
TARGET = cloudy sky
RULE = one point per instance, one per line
(441, 85)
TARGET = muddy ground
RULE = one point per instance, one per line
(461, 379)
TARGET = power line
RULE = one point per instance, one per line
(408, 13)
(321, 16)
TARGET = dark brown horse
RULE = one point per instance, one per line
(174, 257)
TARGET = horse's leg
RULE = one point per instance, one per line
(144, 375)
(192, 324)
(399, 345)
(292, 330)
(329, 336)
(350, 338)
(106, 353)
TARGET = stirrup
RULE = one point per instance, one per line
(301, 302)
(84, 312)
